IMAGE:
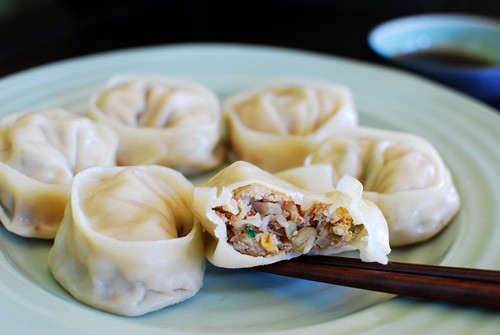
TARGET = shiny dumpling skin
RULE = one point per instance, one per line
(128, 243)
(274, 126)
(161, 121)
(402, 173)
(40, 152)
(219, 192)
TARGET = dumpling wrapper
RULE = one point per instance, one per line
(128, 243)
(253, 223)
(274, 126)
(161, 121)
(40, 153)
(402, 173)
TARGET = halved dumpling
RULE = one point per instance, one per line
(254, 218)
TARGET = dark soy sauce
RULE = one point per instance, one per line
(444, 58)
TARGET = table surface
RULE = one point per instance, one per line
(38, 32)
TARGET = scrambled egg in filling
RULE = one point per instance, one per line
(269, 223)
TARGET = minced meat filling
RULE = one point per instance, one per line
(270, 223)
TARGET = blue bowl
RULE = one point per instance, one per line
(461, 51)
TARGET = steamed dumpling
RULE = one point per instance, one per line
(402, 173)
(254, 218)
(275, 126)
(40, 153)
(128, 243)
(161, 121)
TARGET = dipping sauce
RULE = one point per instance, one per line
(444, 58)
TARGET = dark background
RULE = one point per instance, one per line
(35, 32)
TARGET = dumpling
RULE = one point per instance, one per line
(274, 126)
(402, 173)
(161, 121)
(128, 243)
(40, 152)
(254, 218)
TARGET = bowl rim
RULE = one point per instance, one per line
(428, 19)
(378, 32)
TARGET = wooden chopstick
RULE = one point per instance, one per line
(466, 286)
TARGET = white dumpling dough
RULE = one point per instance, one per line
(274, 126)
(254, 218)
(128, 243)
(161, 121)
(402, 173)
(40, 152)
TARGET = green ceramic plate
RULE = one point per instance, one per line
(244, 301)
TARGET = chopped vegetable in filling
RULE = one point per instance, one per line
(270, 223)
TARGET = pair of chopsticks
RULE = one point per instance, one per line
(465, 286)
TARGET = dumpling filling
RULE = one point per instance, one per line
(264, 222)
